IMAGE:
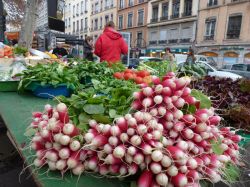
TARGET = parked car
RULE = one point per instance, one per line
(199, 58)
(149, 59)
(240, 69)
(212, 71)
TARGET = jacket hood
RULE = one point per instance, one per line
(112, 34)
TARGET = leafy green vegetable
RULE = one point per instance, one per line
(216, 147)
(204, 100)
(94, 109)
(230, 173)
(18, 50)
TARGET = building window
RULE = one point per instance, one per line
(164, 11)
(176, 8)
(234, 27)
(77, 9)
(111, 17)
(106, 19)
(120, 22)
(212, 2)
(155, 14)
(210, 29)
(139, 39)
(187, 8)
(77, 26)
(81, 24)
(121, 4)
(130, 2)
(66, 23)
(86, 23)
(140, 17)
(96, 24)
(69, 22)
(86, 5)
(82, 8)
(74, 25)
(74, 11)
(130, 19)
(101, 23)
(141, 1)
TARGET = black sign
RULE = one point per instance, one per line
(56, 24)
(52, 8)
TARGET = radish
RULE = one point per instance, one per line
(146, 116)
(142, 129)
(166, 91)
(63, 112)
(78, 170)
(136, 105)
(168, 125)
(132, 122)
(124, 137)
(133, 168)
(110, 159)
(138, 158)
(192, 164)
(103, 169)
(39, 162)
(74, 145)
(37, 114)
(119, 151)
(157, 134)
(52, 165)
(115, 131)
(131, 131)
(135, 140)
(197, 138)
(57, 146)
(183, 169)
(64, 153)
(37, 146)
(46, 135)
(70, 130)
(153, 112)
(178, 114)
(147, 149)
(48, 145)
(179, 180)
(179, 103)
(173, 134)
(148, 91)
(92, 163)
(128, 158)
(162, 179)
(99, 141)
(162, 111)
(188, 133)
(186, 91)
(49, 109)
(214, 120)
(122, 124)
(138, 116)
(73, 160)
(158, 99)
(179, 126)
(113, 141)
(166, 161)
(190, 100)
(193, 175)
(40, 153)
(169, 83)
(147, 102)
(172, 171)
(64, 140)
(127, 116)
(132, 150)
(155, 167)
(61, 165)
(123, 170)
(183, 145)
(137, 95)
(188, 118)
(156, 80)
(158, 89)
(175, 152)
(201, 127)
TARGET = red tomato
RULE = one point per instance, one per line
(142, 73)
(118, 75)
(138, 80)
(129, 71)
(127, 76)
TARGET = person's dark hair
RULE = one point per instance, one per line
(110, 24)
(168, 49)
(88, 38)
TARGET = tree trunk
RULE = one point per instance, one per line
(29, 23)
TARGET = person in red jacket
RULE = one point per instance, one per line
(110, 45)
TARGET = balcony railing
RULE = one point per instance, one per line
(211, 37)
(140, 23)
(153, 42)
(233, 35)
(174, 16)
(185, 14)
(173, 41)
(185, 40)
(162, 41)
(154, 20)
(129, 25)
(164, 18)
(212, 3)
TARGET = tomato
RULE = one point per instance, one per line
(147, 79)
(118, 75)
(138, 80)
(128, 76)
(143, 73)
(129, 71)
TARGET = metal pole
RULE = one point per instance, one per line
(1, 22)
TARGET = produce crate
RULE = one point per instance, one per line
(49, 91)
(8, 86)
(245, 140)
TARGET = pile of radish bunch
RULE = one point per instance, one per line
(55, 141)
(157, 140)
(168, 147)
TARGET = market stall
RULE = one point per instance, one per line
(118, 127)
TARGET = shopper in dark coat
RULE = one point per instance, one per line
(60, 51)
(88, 49)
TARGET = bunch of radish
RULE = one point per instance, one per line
(55, 141)
(168, 147)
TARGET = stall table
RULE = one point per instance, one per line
(15, 111)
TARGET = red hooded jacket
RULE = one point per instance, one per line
(110, 45)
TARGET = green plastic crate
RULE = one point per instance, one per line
(8, 86)
(246, 138)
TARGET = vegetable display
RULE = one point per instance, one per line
(52, 74)
(194, 70)
(171, 137)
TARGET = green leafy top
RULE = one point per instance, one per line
(204, 100)
(52, 74)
